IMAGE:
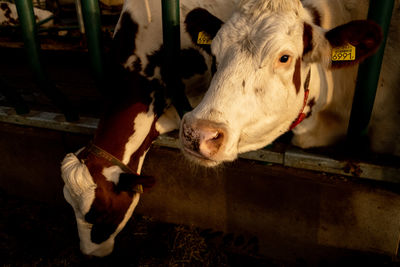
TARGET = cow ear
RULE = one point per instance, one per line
(129, 182)
(202, 27)
(353, 42)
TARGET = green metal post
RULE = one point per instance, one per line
(91, 18)
(368, 75)
(29, 35)
(172, 46)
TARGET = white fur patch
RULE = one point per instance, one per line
(106, 247)
(112, 174)
(40, 14)
(78, 182)
(142, 125)
(169, 121)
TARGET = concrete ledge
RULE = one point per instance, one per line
(49, 120)
(295, 158)
(293, 213)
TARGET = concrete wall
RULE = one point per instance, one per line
(290, 213)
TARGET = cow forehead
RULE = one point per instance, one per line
(262, 36)
(257, 7)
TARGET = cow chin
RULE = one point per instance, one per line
(88, 247)
(199, 159)
(214, 160)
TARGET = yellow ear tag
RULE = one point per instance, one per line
(344, 53)
(204, 38)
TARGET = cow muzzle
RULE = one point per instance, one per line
(203, 141)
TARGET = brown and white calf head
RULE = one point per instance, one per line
(264, 54)
(103, 198)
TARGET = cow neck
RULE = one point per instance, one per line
(101, 153)
(302, 115)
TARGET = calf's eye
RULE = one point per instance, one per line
(284, 59)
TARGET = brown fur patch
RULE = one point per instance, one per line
(311, 104)
(297, 75)
(307, 39)
(307, 82)
(315, 14)
(151, 136)
(109, 206)
(111, 136)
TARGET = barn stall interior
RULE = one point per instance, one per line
(281, 203)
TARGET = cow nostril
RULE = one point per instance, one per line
(211, 144)
(190, 138)
(218, 136)
(202, 138)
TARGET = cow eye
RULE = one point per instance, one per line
(284, 59)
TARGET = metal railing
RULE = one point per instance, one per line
(90, 11)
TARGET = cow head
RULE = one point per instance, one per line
(263, 55)
(103, 198)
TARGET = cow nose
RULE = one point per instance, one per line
(204, 138)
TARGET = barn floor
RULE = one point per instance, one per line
(34, 233)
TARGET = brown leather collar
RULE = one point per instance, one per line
(101, 153)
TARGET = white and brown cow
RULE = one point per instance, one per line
(272, 63)
(102, 180)
(275, 69)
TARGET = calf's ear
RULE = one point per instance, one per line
(129, 182)
(360, 38)
(202, 27)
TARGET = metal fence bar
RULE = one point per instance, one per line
(32, 47)
(368, 75)
(172, 46)
(29, 35)
(91, 18)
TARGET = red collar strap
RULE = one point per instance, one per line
(302, 115)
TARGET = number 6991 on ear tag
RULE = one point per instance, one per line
(344, 53)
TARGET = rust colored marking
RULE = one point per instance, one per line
(315, 14)
(297, 75)
(307, 82)
(151, 136)
(307, 39)
(311, 104)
